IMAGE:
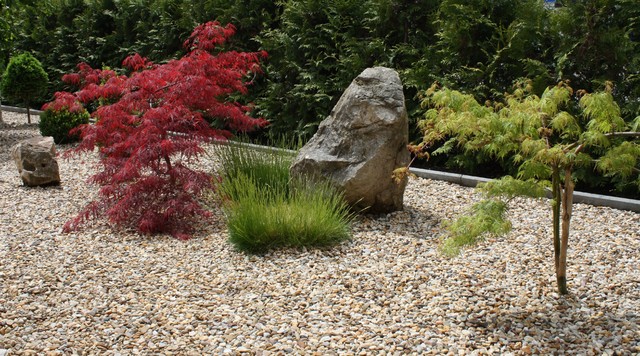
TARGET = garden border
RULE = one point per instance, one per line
(19, 110)
(461, 179)
(578, 197)
(473, 181)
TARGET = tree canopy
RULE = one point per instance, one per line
(545, 142)
(150, 125)
(24, 80)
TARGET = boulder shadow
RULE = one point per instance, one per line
(410, 222)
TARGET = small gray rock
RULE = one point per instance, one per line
(36, 161)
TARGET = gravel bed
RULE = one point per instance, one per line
(387, 292)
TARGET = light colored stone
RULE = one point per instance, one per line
(36, 161)
(93, 292)
(364, 139)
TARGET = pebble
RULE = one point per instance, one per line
(388, 291)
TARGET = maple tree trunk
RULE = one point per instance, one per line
(28, 114)
(556, 204)
(169, 168)
(567, 206)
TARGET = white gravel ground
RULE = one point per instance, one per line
(388, 291)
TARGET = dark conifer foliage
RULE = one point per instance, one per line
(317, 47)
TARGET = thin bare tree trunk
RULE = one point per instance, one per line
(28, 115)
(556, 206)
(567, 207)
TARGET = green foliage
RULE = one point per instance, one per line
(623, 160)
(540, 135)
(266, 210)
(603, 112)
(508, 188)
(548, 144)
(264, 168)
(24, 80)
(6, 33)
(104, 32)
(597, 41)
(635, 125)
(58, 123)
(251, 18)
(486, 217)
(260, 219)
(2, 69)
(483, 46)
(318, 49)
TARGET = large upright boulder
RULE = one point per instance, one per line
(36, 161)
(359, 145)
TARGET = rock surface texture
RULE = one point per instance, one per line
(36, 161)
(358, 146)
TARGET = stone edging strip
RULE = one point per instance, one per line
(461, 179)
(472, 181)
(19, 110)
(578, 197)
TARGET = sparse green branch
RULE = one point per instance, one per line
(579, 146)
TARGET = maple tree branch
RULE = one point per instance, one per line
(581, 146)
(167, 86)
(623, 134)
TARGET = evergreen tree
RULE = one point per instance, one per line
(24, 80)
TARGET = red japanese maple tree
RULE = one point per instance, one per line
(153, 122)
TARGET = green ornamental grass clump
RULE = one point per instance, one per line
(266, 209)
(267, 168)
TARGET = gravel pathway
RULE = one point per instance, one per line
(388, 291)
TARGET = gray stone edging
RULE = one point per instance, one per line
(254, 146)
(578, 197)
(20, 110)
(472, 181)
(465, 180)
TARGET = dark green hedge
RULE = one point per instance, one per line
(317, 47)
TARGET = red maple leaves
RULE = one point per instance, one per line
(152, 123)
